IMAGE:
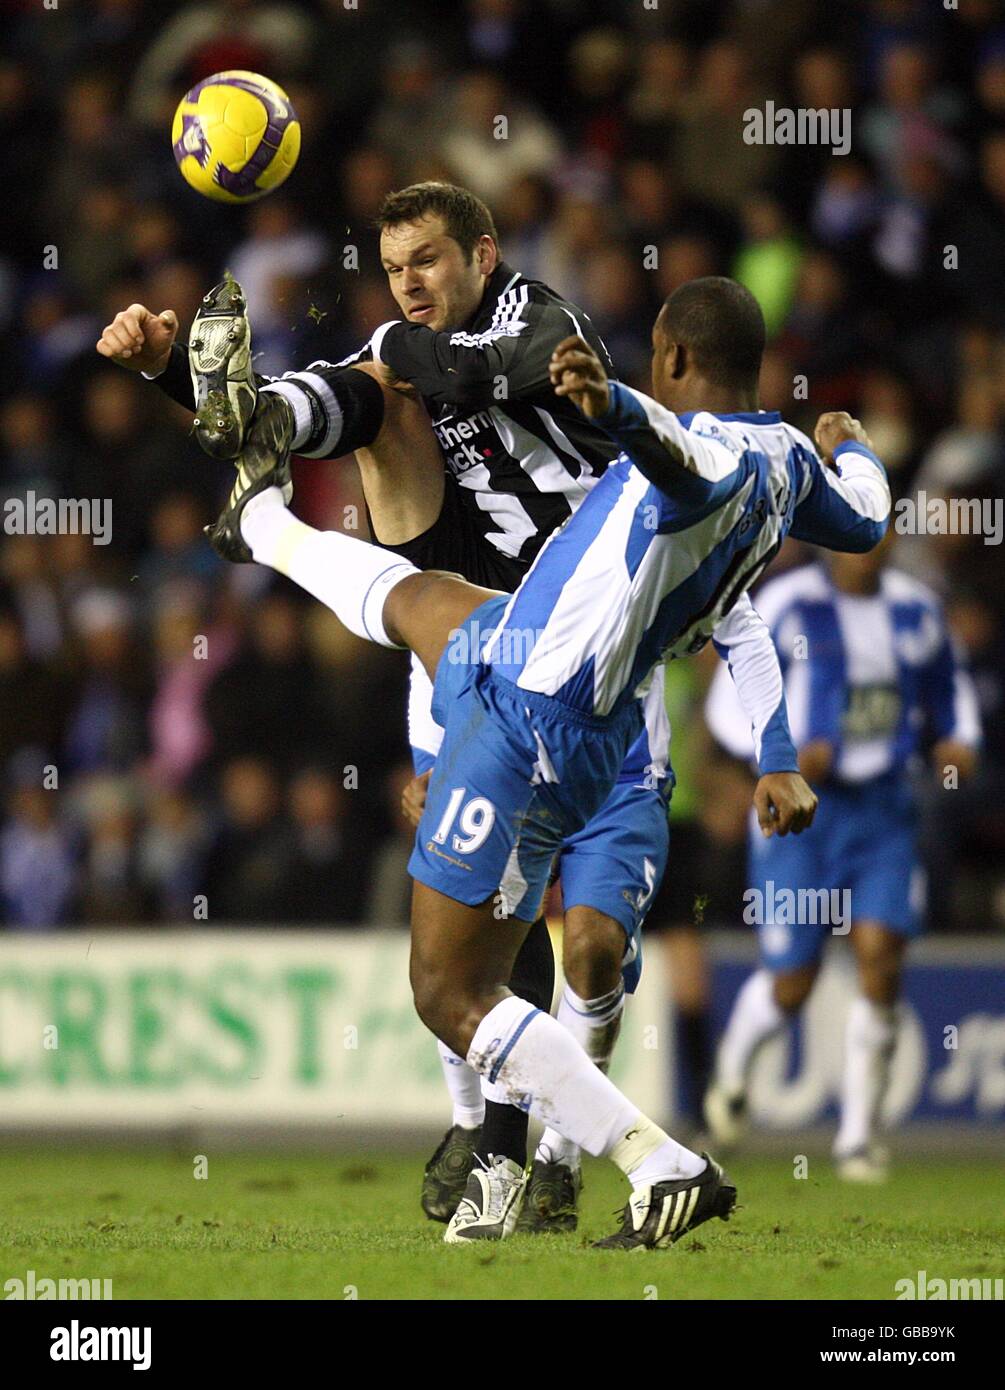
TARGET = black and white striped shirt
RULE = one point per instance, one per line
(522, 458)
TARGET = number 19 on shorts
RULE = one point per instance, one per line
(474, 823)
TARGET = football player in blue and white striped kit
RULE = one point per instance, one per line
(872, 683)
(538, 691)
(513, 462)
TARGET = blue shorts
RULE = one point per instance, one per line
(861, 850)
(517, 774)
(616, 863)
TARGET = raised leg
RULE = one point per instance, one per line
(402, 470)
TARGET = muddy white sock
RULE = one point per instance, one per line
(531, 1054)
(595, 1024)
(666, 1160)
(347, 575)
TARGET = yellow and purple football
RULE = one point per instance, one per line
(235, 136)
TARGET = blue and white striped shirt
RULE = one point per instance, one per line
(873, 674)
(643, 572)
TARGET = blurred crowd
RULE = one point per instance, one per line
(181, 740)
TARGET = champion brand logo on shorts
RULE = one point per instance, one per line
(458, 863)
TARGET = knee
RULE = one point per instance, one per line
(593, 948)
(879, 979)
(433, 1001)
(792, 988)
(448, 1011)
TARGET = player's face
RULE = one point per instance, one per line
(431, 280)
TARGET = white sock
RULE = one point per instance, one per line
(870, 1039)
(464, 1086)
(755, 1018)
(349, 576)
(531, 1054)
(595, 1024)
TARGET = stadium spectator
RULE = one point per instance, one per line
(33, 696)
(390, 897)
(489, 157)
(266, 700)
(110, 889)
(326, 871)
(171, 850)
(769, 260)
(37, 862)
(714, 162)
(104, 728)
(410, 118)
(189, 654)
(206, 38)
(246, 868)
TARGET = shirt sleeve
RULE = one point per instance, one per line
(692, 470)
(474, 371)
(176, 380)
(725, 717)
(844, 510)
(744, 642)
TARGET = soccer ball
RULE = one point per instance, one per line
(235, 136)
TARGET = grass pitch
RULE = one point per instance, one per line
(289, 1226)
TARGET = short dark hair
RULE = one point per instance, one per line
(465, 217)
(720, 323)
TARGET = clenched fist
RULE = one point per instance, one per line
(577, 372)
(784, 803)
(139, 340)
(838, 427)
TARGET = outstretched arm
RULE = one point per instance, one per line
(686, 467)
(334, 410)
(782, 799)
(474, 371)
(843, 502)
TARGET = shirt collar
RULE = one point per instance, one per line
(503, 278)
(743, 417)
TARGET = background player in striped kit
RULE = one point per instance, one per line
(872, 685)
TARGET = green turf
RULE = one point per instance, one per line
(287, 1226)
